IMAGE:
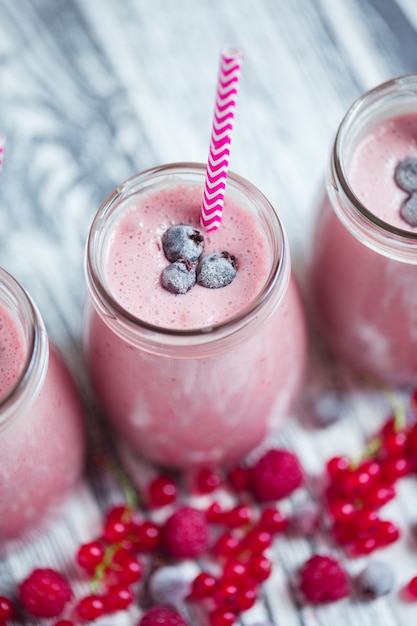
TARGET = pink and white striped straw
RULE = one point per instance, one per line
(219, 153)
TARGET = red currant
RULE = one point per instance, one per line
(226, 545)
(147, 536)
(219, 617)
(272, 520)
(412, 588)
(203, 586)
(240, 515)
(118, 598)
(91, 607)
(259, 567)
(207, 480)
(90, 555)
(6, 608)
(162, 491)
(239, 478)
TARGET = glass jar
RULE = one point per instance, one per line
(364, 258)
(189, 396)
(41, 433)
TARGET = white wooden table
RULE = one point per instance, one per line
(92, 91)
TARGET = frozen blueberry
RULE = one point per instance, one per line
(182, 242)
(406, 174)
(377, 579)
(327, 408)
(216, 270)
(168, 585)
(409, 210)
(178, 277)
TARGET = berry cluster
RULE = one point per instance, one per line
(183, 246)
(355, 493)
(405, 176)
(138, 559)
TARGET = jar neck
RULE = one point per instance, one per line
(190, 342)
(27, 329)
(393, 98)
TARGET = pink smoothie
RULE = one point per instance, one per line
(41, 445)
(365, 301)
(183, 409)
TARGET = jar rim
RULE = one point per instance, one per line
(111, 307)
(404, 83)
(34, 331)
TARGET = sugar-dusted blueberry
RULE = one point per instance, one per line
(409, 210)
(179, 277)
(216, 270)
(405, 174)
(377, 579)
(182, 242)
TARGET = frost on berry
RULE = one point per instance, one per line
(376, 579)
(275, 475)
(165, 615)
(44, 593)
(322, 579)
(168, 585)
(185, 533)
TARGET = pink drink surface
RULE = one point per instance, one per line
(184, 411)
(136, 260)
(371, 170)
(366, 302)
(41, 450)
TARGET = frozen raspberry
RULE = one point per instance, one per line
(182, 242)
(377, 579)
(178, 277)
(322, 579)
(186, 533)
(275, 475)
(162, 616)
(44, 593)
(405, 174)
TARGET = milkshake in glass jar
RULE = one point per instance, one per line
(41, 431)
(364, 262)
(199, 377)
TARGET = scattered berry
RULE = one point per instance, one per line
(162, 490)
(186, 533)
(207, 480)
(203, 586)
(167, 585)
(327, 408)
(90, 555)
(322, 579)
(6, 609)
(305, 519)
(182, 242)
(275, 475)
(178, 277)
(91, 607)
(412, 588)
(377, 579)
(118, 598)
(405, 174)
(44, 593)
(216, 270)
(162, 615)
